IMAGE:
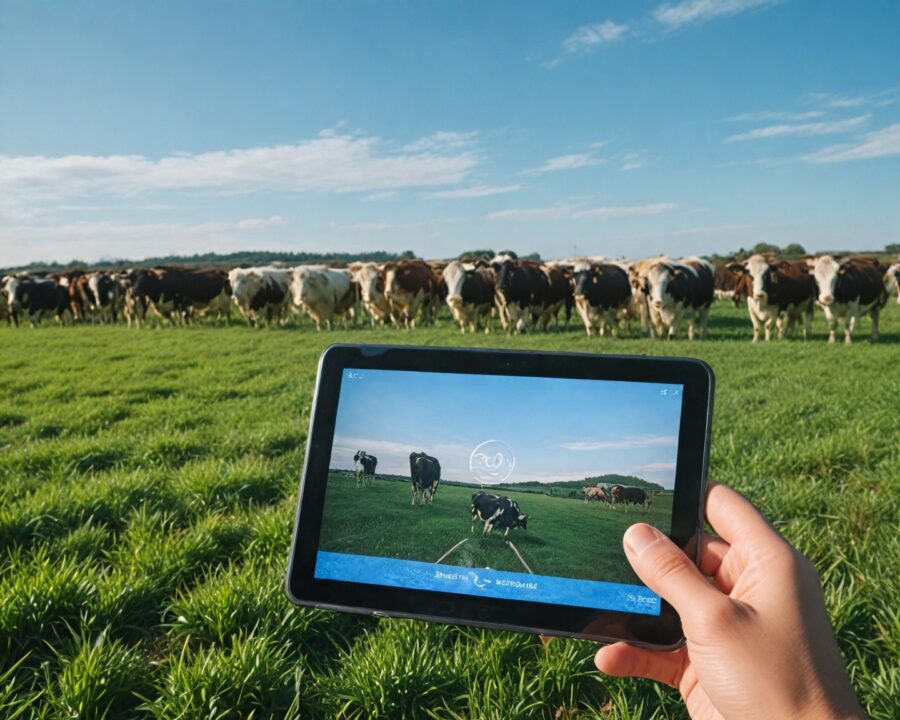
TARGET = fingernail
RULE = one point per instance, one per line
(639, 537)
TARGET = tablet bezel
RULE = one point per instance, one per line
(663, 631)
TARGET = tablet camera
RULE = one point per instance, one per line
(492, 462)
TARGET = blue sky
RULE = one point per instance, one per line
(558, 429)
(623, 128)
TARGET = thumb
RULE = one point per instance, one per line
(667, 571)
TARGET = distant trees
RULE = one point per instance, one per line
(892, 248)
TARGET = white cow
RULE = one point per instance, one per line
(324, 293)
(370, 279)
(680, 291)
(892, 280)
(847, 290)
(262, 290)
(640, 293)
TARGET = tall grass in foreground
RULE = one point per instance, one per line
(147, 491)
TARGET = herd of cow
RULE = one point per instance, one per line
(661, 294)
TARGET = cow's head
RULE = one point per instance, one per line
(370, 280)
(454, 277)
(307, 284)
(522, 521)
(763, 276)
(892, 280)
(245, 285)
(658, 278)
(826, 272)
(585, 278)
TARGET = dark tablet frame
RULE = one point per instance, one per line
(663, 631)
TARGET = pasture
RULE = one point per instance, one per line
(565, 537)
(147, 491)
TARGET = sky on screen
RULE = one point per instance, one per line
(558, 429)
(623, 128)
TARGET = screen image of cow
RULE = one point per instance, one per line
(550, 531)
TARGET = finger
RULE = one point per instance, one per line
(733, 516)
(712, 552)
(667, 571)
(624, 660)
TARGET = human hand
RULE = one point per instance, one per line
(759, 642)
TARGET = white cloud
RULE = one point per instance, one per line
(803, 129)
(554, 212)
(565, 162)
(330, 162)
(638, 441)
(91, 240)
(589, 36)
(764, 115)
(694, 12)
(441, 141)
(475, 191)
(879, 143)
(557, 212)
(605, 213)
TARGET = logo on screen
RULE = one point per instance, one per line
(492, 462)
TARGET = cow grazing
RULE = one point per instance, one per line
(409, 286)
(779, 294)
(624, 495)
(593, 494)
(365, 465)
(892, 280)
(677, 292)
(262, 291)
(470, 293)
(369, 279)
(425, 475)
(324, 293)
(37, 297)
(602, 292)
(849, 289)
(496, 511)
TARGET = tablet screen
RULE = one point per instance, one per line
(498, 486)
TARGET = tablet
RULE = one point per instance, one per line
(493, 487)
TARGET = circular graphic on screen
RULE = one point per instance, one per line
(492, 462)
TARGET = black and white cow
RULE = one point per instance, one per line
(602, 291)
(6, 310)
(680, 292)
(37, 297)
(849, 289)
(365, 467)
(496, 511)
(424, 476)
(470, 293)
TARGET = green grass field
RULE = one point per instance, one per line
(565, 538)
(147, 491)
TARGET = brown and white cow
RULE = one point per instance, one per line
(409, 286)
(593, 494)
(324, 293)
(470, 293)
(640, 297)
(369, 279)
(725, 281)
(849, 289)
(779, 294)
(680, 292)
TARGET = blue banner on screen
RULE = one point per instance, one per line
(483, 582)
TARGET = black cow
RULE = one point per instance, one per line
(365, 466)
(601, 292)
(37, 297)
(629, 496)
(425, 475)
(496, 511)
